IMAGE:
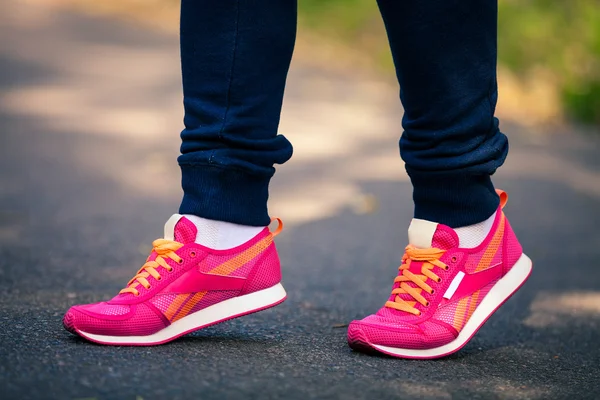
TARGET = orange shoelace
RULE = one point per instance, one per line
(163, 248)
(430, 259)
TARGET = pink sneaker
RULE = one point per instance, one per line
(184, 287)
(443, 293)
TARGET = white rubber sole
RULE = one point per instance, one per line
(223, 311)
(501, 292)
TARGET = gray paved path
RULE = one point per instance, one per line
(89, 120)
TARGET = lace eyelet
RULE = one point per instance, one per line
(149, 287)
(446, 268)
(180, 261)
(193, 254)
(454, 259)
(159, 278)
(419, 314)
(427, 304)
(432, 291)
(170, 270)
(439, 280)
(137, 294)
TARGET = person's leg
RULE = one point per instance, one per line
(217, 261)
(463, 260)
(445, 57)
(235, 57)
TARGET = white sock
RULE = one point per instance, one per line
(219, 235)
(472, 235)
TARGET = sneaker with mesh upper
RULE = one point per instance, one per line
(444, 293)
(184, 287)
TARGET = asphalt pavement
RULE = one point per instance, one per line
(88, 177)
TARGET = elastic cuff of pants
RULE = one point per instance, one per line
(453, 199)
(225, 195)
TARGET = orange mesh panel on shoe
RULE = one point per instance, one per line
(187, 307)
(175, 305)
(239, 265)
(491, 254)
(459, 312)
(234, 263)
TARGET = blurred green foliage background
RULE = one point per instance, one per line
(559, 37)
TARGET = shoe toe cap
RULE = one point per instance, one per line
(69, 321)
(404, 335)
(98, 319)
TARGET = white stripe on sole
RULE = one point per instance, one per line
(219, 312)
(501, 291)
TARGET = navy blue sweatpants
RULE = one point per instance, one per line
(235, 57)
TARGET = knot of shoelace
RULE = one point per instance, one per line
(430, 259)
(164, 248)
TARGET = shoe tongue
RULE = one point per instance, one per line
(180, 229)
(426, 234)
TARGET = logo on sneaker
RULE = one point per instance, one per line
(218, 278)
(465, 284)
(196, 281)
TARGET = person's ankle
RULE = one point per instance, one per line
(473, 235)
